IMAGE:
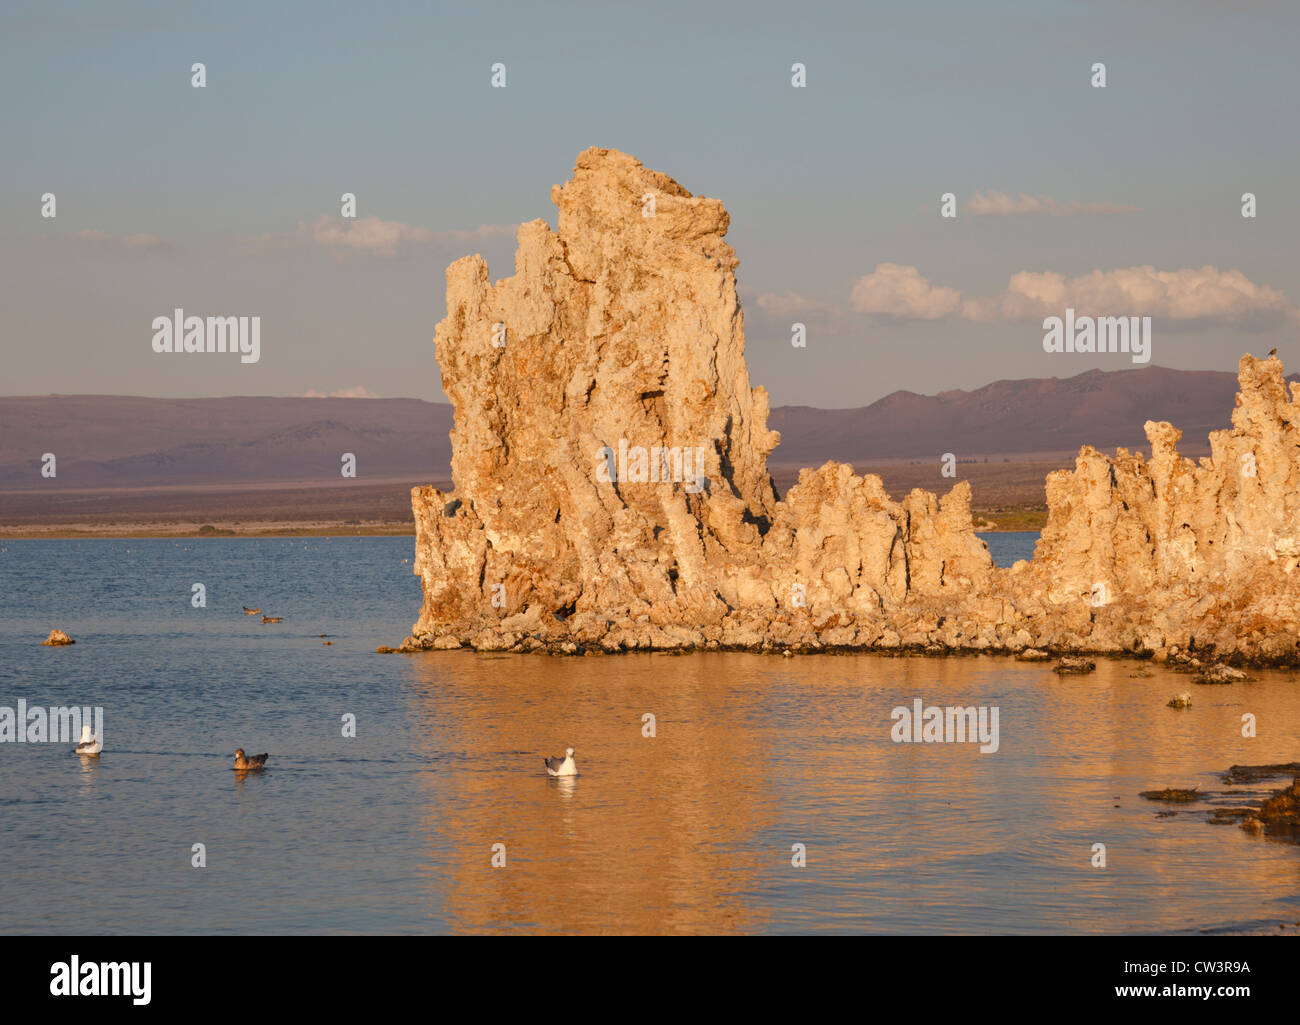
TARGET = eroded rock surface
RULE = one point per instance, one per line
(612, 493)
(1182, 555)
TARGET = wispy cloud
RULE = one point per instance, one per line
(366, 234)
(1189, 294)
(355, 392)
(143, 241)
(781, 303)
(998, 204)
(372, 236)
(95, 237)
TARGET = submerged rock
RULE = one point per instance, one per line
(612, 494)
(1070, 666)
(1183, 700)
(1282, 810)
(1220, 674)
(1171, 794)
(1233, 816)
(56, 639)
(1258, 773)
(1277, 815)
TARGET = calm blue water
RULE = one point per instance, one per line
(1008, 546)
(691, 830)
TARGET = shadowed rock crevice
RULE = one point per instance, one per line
(620, 339)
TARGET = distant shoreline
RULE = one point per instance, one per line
(129, 531)
(1006, 497)
(140, 531)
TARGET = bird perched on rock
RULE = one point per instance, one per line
(565, 766)
(89, 745)
(250, 612)
(271, 619)
(1272, 352)
(243, 761)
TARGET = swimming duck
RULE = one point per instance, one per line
(271, 619)
(89, 746)
(243, 761)
(565, 766)
(250, 612)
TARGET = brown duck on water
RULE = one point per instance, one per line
(243, 761)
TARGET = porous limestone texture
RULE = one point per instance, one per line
(611, 488)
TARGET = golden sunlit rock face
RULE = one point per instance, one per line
(1185, 551)
(610, 462)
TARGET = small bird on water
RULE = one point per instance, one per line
(271, 619)
(250, 612)
(565, 766)
(243, 761)
(89, 746)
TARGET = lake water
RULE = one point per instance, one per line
(1007, 546)
(393, 830)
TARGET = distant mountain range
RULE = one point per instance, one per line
(105, 441)
(1044, 416)
(125, 441)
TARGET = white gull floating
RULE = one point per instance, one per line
(89, 745)
(565, 766)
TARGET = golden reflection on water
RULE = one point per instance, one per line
(653, 835)
(88, 779)
(692, 831)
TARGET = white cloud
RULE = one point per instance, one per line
(1189, 294)
(895, 290)
(993, 204)
(1184, 295)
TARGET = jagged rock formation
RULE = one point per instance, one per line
(1281, 812)
(610, 454)
(1181, 553)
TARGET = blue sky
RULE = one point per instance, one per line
(215, 190)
